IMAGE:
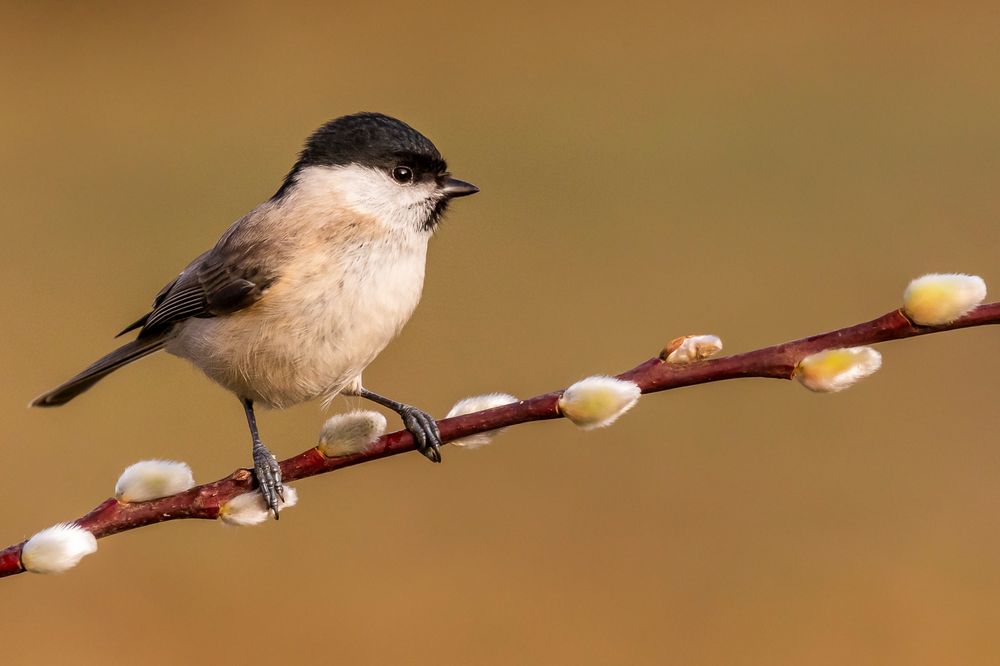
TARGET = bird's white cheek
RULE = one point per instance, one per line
(372, 193)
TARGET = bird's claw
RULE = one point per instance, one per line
(425, 432)
(268, 474)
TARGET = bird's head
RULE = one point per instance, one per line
(380, 167)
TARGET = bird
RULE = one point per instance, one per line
(300, 295)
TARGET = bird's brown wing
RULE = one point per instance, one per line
(223, 280)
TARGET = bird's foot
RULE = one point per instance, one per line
(425, 431)
(268, 473)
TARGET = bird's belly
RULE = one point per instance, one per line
(270, 362)
(303, 340)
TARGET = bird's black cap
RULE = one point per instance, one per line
(368, 139)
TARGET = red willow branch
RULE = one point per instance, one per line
(777, 362)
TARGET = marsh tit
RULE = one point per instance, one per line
(302, 293)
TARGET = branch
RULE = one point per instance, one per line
(777, 362)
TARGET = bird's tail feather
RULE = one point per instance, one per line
(98, 370)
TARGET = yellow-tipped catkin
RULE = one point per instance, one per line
(941, 298)
(478, 403)
(347, 434)
(596, 402)
(837, 369)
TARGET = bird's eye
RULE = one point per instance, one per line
(402, 174)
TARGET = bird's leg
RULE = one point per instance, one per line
(420, 424)
(265, 465)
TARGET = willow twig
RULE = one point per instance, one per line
(776, 362)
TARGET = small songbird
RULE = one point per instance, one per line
(302, 293)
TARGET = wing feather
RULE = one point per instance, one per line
(218, 282)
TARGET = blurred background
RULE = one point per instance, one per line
(647, 170)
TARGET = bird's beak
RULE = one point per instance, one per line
(453, 187)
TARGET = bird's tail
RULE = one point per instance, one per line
(98, 370)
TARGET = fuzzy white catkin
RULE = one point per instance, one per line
(354, 432)
(941, 298)
(598, 401)
(478, 403)
(834, 370)
(57, 549)
(249, 508)
(151, 479)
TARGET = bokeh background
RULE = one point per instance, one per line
(647, 170)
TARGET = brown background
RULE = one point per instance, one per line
(647, 171)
